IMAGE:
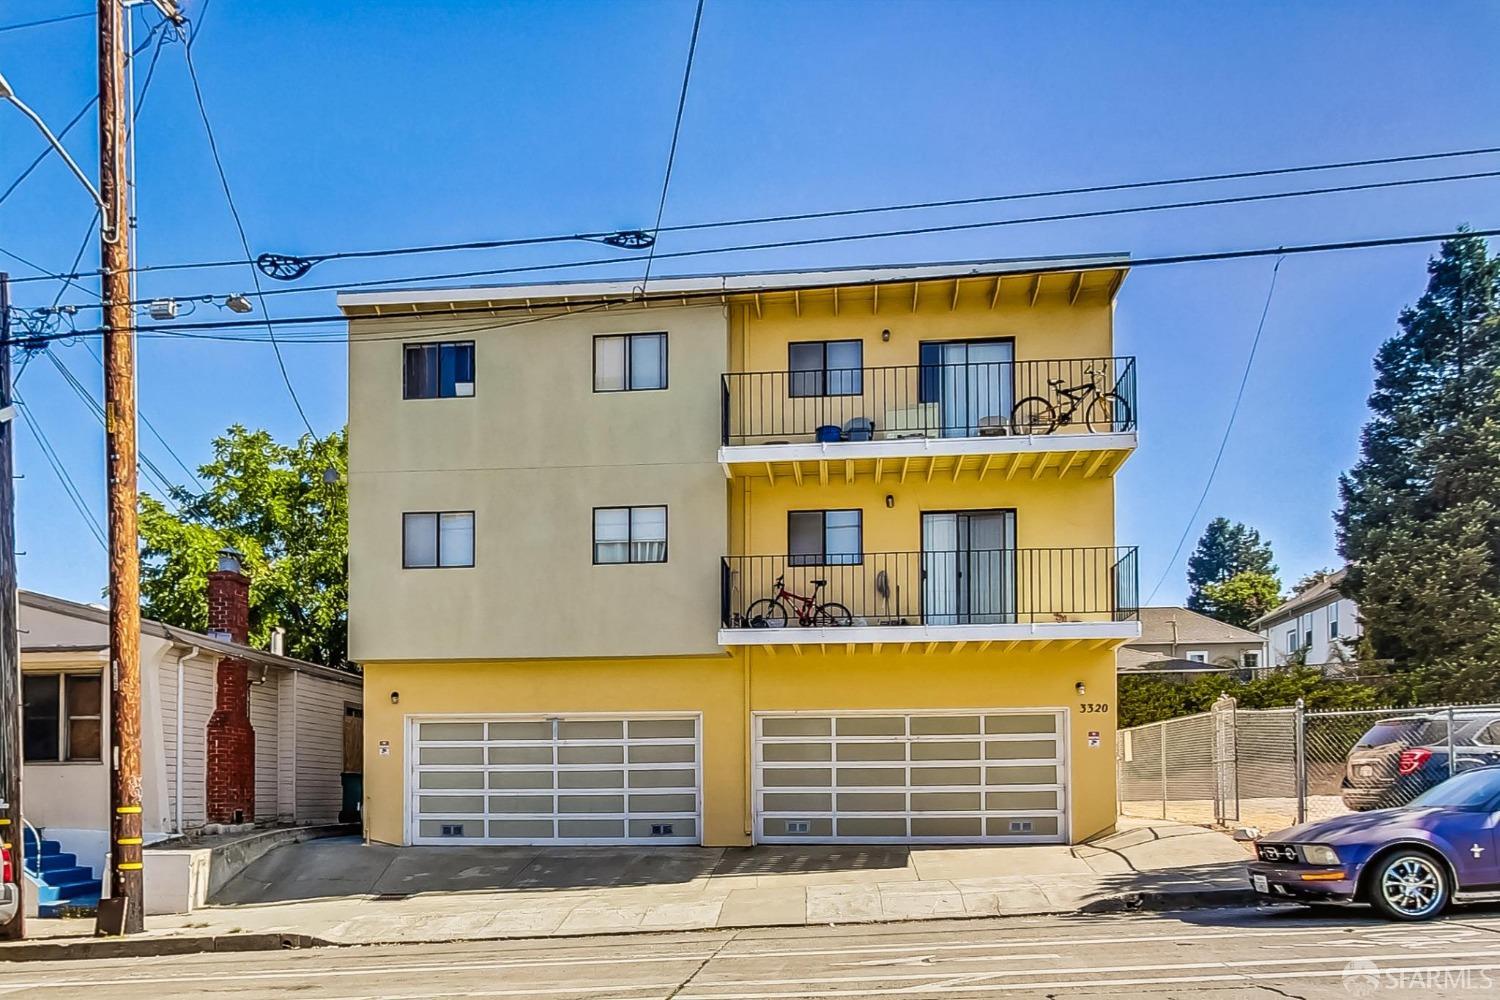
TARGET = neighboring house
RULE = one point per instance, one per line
(1318, 626)
(572, 506)
(1178, 640)
(229, 734)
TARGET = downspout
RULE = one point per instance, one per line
(177, 775)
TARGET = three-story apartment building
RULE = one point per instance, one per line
(763, 558)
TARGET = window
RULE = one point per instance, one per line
(439, 371)
(1333, 620)
(630, 361)
(1250, 659)
(61, 717)
(826, 368)
(630, 535)
(437, 539)
(824, 537)
(1291, 641)
(1197, 656)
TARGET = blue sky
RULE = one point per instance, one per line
(385, 123)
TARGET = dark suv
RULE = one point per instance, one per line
(1404, 755)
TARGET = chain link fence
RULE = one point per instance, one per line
(1271, 768)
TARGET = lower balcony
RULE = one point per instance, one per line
(1056, 597)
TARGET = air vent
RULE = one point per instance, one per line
(1020, 826)
(453, 829)
(797, 826)
(661, 829)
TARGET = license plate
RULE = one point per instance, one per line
(1260, 883)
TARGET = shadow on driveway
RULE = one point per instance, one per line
(342, 867)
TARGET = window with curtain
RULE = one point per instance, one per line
(824, 537)
(62, 717)
(631, 361)
(439, 371)
(437, 539)
(630, 534)
(826, 368)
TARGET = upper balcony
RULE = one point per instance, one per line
(950, 415)
(956, 596)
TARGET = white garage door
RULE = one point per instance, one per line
(569, 780)
(974, 776)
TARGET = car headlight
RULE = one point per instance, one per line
(1317, 854)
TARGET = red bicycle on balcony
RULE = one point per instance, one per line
(774, 611)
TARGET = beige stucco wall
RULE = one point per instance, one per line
(532, 453)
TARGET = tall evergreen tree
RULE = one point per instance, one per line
(1420, 515)
(1226, 549)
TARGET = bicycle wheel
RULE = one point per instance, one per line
(1109, 412)
(1033, 415)
(766, 613)
(832, 615)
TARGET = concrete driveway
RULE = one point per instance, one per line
(344, 891)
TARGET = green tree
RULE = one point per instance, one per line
(1420, 515)
(283, 510)
(1242, 598)
(1226, 548)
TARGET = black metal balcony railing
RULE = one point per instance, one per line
(964, 400)
(978, 587)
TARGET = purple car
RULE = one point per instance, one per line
(1409, 863)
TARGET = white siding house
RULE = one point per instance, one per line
(296, 709)
(1320, 625)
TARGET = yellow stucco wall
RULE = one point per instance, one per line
(727, 689)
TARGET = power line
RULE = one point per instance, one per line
(45, 21)
(69, 487)
(189, 329)
(48, 150)
(239, 226)
(844, 213)
(1224, 441)
(887, 234)
(666, 181)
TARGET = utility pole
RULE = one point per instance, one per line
(126, 879)
(12, 830)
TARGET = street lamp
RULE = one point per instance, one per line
(7, 93)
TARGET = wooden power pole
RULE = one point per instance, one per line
(126, 879)
(12, 830)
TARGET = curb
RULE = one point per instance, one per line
(1150, 901)
(107, 947)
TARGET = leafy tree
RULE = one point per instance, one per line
(1242, 598)
(276, 505)
(1226, 549)
(1311, 580)
(1420, 515)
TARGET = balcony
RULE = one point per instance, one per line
(1053, 418)
(1055, 597)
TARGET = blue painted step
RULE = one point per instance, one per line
(64, 887)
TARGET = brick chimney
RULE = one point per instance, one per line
(231, 739)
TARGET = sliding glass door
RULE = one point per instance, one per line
(969, 567)
(971, 383)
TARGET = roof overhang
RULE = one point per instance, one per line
(1099, 273)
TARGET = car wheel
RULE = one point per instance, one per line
(1409, 885)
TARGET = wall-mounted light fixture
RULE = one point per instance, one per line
(885, 335)
(395, 697)
(1080, 689)
(890, 500)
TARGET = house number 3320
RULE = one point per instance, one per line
(1093, 707)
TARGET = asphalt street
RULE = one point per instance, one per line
(1233, 953)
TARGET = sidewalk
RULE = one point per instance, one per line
(341, 891)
